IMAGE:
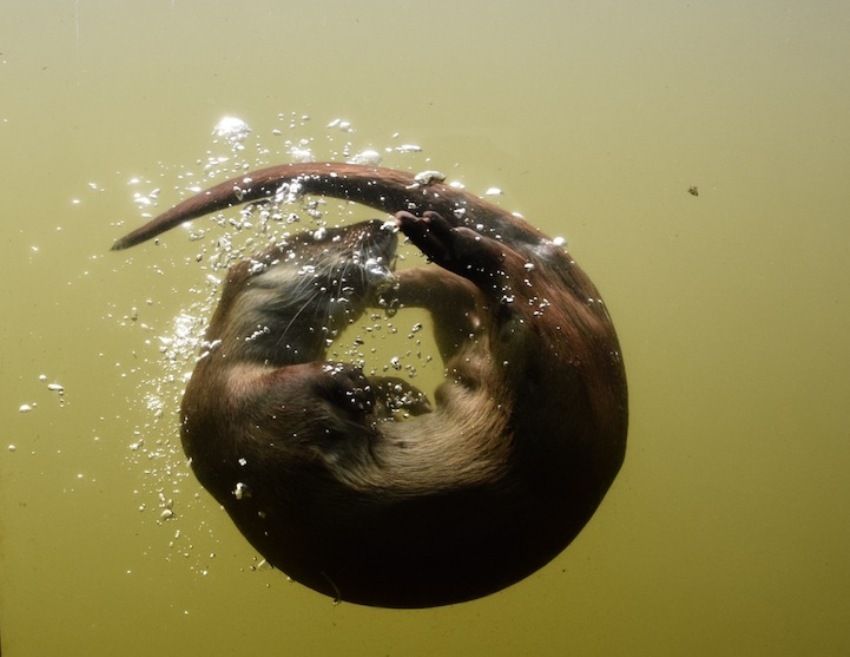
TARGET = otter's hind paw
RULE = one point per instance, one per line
(458, 249)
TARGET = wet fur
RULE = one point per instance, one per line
(310, 458)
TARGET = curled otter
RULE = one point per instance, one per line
(355, 486)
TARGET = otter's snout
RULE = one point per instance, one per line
(378, 241)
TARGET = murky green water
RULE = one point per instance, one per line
(726, 532)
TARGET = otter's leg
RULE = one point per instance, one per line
(454, 303)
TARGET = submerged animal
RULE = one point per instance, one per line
(355, 485)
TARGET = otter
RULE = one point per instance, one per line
(354, 485)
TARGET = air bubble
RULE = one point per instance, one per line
(233, 129)
(241, 491)
(301, 154)
(429, 177)
(368, 157)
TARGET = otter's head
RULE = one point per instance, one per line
(288, 304)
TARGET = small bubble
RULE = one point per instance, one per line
(233, 129)
(493, 191)
(429, 177)
(25, 408)
(301, 154)
(367, 157)
(12, 447)
(241, 491)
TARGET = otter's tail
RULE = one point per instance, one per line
(384, 189)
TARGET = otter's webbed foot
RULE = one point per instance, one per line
(346, 387)
(356, 395)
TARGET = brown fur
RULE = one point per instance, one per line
(310, 458)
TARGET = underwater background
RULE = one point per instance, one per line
(695, 156)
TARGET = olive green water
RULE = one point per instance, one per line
(727, 531)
